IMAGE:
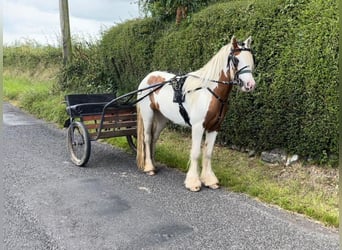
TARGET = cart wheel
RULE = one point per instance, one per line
(78, 143)
(132, 142)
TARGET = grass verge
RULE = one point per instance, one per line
(308, 190)
(35, 97)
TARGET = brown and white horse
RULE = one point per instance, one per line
(200, 102)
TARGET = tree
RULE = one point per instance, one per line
(167, 9)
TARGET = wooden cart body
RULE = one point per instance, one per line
(97, 116)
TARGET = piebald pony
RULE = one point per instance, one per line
(205, 101)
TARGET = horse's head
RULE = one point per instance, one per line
(241, 64)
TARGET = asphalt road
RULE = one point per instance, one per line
(52, 204)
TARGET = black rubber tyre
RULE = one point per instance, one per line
(132, 142)
(78, 143)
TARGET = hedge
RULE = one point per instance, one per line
(296, 46)
(30, 56)
(128, 49)
(295, 105)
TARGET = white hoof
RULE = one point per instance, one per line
(193, 184)
(210, 181)
(214, 186)
(149, 169)
(150, 172)
(194, 189)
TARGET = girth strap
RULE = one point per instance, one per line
(179, 97)
(184, 114)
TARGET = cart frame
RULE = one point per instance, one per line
(98, 116)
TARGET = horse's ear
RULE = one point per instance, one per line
(248, 42)
(234, 43)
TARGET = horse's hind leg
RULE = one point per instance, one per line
(144, 147)
(208, 177)
(159, 123)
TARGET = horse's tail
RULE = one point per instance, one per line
(140, 141)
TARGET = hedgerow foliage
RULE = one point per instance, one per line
(295, 104)
(30, 56)
(128, 48)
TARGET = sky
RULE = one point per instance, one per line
(39, 20)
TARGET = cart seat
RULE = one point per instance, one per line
(83, 104)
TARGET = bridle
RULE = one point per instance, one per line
(232, 59)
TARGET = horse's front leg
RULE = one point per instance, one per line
(192, 180)
(208, 177)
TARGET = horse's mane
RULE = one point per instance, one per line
(211, 70)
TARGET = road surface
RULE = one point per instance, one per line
(52, 204)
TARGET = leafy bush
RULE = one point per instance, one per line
(296, 49)
(87, 73)
(30, 56)
(166, 10)
(127, 51)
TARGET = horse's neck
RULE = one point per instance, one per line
(218, 105)
(212, 71)
(223, 89)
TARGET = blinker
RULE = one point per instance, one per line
(234, 59)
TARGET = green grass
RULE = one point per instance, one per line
(15, 88)
(308, 190)
(120, 142)
(35, 97)
(299, 192)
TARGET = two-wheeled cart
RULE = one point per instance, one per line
(98, 116)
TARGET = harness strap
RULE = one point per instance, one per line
(193, 90)
(179, 97)
(217, 97)
(154, 89)
(177, 83)
(223, 102)
(184, 114)
(215, 81)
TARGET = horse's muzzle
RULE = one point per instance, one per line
(248, 86)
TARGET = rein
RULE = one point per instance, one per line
(236, 80)
(177, 83)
